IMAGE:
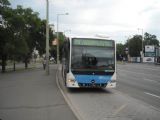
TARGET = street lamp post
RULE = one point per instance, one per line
(127, 48)
(47, 37)
(142, 44)
(58, 36)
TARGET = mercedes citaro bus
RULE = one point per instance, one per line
(89, 62)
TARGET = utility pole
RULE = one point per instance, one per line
(47, 37)
(57, 41)
(142, 43)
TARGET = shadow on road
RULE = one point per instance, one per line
(89, 90)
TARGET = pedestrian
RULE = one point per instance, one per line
(44, 63)
(123, 60)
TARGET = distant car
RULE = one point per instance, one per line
(148, 59)
(52, 60)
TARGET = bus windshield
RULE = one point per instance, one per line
(93, 58)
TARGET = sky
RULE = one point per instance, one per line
(114, 19)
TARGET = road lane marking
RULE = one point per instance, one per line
(145, 79)
(146, 68)
(151, 80)
(138, 73)
(152, 95)
(119, 109)
(149, 68)
(148, 80)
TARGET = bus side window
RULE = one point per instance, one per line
(66, 55)
(63, 54)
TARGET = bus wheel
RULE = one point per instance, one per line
(65, 75)
(62, 71)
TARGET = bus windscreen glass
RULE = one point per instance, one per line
(93, 55)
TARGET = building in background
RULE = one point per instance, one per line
(157, 57)
(149, 54)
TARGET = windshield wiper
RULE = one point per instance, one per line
(110, 67)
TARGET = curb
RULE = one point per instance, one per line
(74, 110)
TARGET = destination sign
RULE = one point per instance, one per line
(93, 42)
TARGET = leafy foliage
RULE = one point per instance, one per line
(120, 50)
(22, 32)
(150, 39)
(135, 45)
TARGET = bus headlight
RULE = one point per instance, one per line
(71, 81)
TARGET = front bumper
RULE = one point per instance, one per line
(91, 85)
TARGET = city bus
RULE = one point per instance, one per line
(89, 62)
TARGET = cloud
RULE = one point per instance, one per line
(115, 18)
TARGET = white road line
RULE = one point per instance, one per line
(151, 80)
(146, 68)
(149, 68)
(138, 73)
(148, 80)
(145, 79)
(119, 109)
(152, 95)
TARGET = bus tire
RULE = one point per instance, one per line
(65, 78)
(62, 72)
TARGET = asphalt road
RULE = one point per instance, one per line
(135, 98)
(32, 95)
(141, 81)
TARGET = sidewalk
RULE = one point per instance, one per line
(32, 95)
(21, 66)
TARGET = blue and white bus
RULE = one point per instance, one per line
(89, 62)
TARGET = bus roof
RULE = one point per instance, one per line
(90, 37)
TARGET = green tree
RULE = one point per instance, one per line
(10, 46)
(14, 35)
(40, 38)
(120, 50)
(53, 49)
(30, 25)
(20, 46)
(23, 32)
(135, 45)
(4, 3)
(61, 41)
(4, 38)
(34, 32)
(150, 39)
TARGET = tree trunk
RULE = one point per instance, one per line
(26, 61)
(26, 64)
(14, 66)
(4, 58)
